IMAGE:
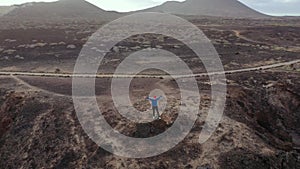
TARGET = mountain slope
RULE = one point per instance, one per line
(62, 9)
(224, 8)
(5, 9)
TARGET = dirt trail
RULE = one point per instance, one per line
(289, 49)
(15, 74)
(20, 81)
(265, 67)
(238, 34)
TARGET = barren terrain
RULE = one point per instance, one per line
(261, 123)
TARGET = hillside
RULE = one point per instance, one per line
(5, 9)
(63, 9)
(224, 8)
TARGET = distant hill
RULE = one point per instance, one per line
(5, 9)
(223, 8)
(63, 9)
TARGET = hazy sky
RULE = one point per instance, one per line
(273, 7)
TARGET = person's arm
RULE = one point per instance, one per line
(149, 98)
(159, 98)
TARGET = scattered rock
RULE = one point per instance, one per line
(36, 45)
(10, 40)
(62, 43)
(5, 58)
(145, 130)
(21, 46)
(19, 57)
(9, 51)
(57, 70)
(71, 47)
(25, 156)
(116, 49)
(53, 44)
(159, 46)
(57, 55)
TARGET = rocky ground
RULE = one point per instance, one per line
(259, 129)
(241, 43)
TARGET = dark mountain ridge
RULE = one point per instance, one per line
(222, 8)
(63, 9)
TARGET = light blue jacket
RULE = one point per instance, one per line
(154, 102)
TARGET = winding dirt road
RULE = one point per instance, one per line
(289, 49)
(238, 34)
(265, 67)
